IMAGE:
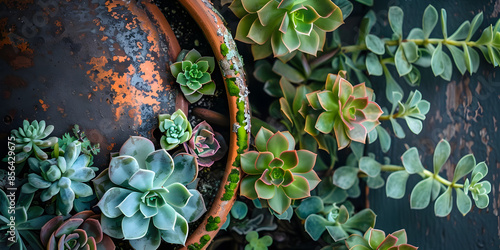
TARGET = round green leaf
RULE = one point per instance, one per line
(375, 44)
(464, 203)
(444, 203)
(421, 194)
(396, 184)
(345, 177)
(441, 154)
(315, 226)
(411, 161)
(308, 206)
(464, 167)
(370, 166)
(239, 210)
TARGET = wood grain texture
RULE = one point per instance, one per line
(465, 111)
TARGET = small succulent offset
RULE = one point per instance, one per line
(81, 231)
(143, 197)
(33, 138)
(276, 171)
(283, 27)
(208, 146)
(376, 239)
(20, 233)
(479, 190)
(256, 243)
(192, 72)
(62, 177)
(176, 129)
(348, 111)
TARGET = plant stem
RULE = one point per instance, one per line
(426, 174)
(358, 47)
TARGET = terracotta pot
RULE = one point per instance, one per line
(104, 67)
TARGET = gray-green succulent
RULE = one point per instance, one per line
(62, 178)
(143, 195)
(176, 129)
(33, 138)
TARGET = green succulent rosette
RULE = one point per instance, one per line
(143, 195)
(276, 172)
(32, 138)
(479, 189)
(61, 177)
(176, 129)
(192, 72)
(348, 111)
(283, 27)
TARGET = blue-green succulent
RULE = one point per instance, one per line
(176, 129)
(33, 138)
(62, 177)
(143, 195)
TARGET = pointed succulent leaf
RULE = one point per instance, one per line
(444, 203)
(280, 202)
(137, 226)
(110, 201)
(177, 195)
(122, 168)
(421, 194)
(161, 163)
(441, 154)
(195, 207)
(464, 167)
(179, 234)
(411, 161)
(185, 170)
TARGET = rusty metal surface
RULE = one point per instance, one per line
(100, 64)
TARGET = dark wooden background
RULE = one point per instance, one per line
(464, 111)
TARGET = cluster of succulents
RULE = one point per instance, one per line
(176, 129)
(208, 146)
(32, 138)
(81, 231)
(347, 110)
(283, 27)
(63, 177)
(277, 172)
(143, 195)
(192, 72)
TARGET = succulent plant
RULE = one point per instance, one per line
(376, 239)
(348, 111)
(81, 231)
(61, 177)
(276, 172)
(192, 72)
(256, 243)
(176, 129)
(479, 190)
(33, 138)
(143, 197)
(20, 232)
(283, 27)
(208, 146)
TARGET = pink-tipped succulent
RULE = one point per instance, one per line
(207, 145)
(277, 172)
(347, 110)
(376, 239)
(81, 231)
(284, 27)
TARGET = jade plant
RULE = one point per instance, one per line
(32, 138)
(192, 72)
(376, 239)
(143, 195)
(208, 146)
(276, 172)
(81, 231)
(349, 111)
(20, 221)
(63, 178)
(283, 27)
(176, 129)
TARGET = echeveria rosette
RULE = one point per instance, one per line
(192, 72)
(376, 239)
(283, 27)
(61, 177)
(176, 129)
(143, 195)
(348, 111)
(276, 172)
(81, 231)
(479, 190)
(207, 145)
(33, 138)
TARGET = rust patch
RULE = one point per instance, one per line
(111, 146)
(45, 106)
